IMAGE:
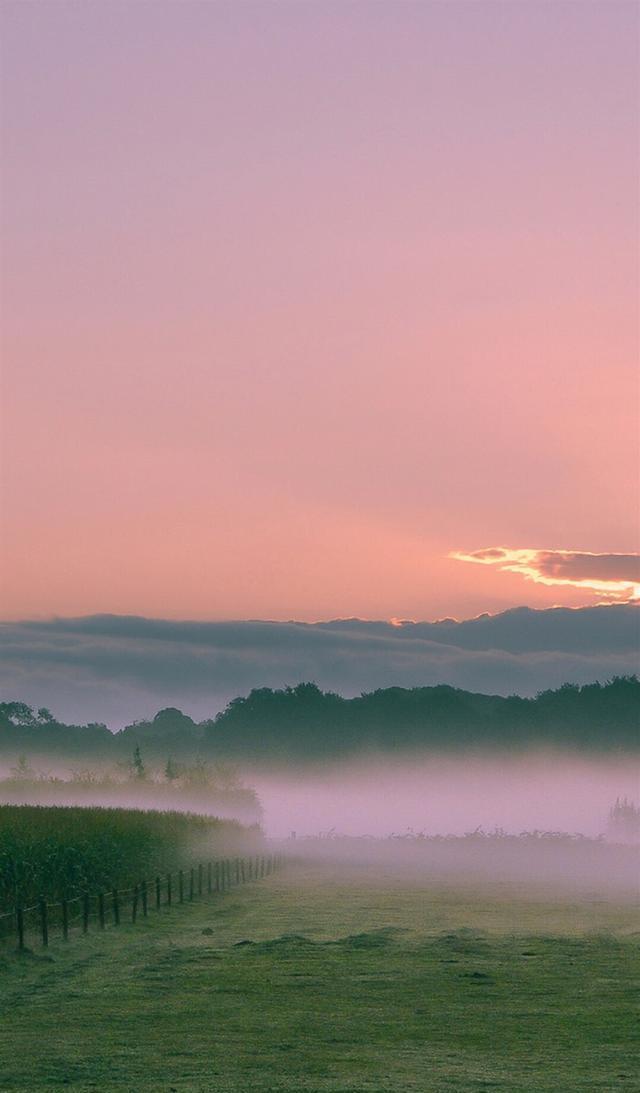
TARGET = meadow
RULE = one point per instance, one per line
(338, 977)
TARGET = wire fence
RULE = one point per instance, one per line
(41, 921)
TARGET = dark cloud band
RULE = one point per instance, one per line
(584, 567)
(115, 668)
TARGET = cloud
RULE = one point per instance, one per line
(118, 668)
(616, 576)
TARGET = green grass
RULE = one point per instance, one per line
(318, 979)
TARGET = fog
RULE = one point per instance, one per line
(377, 797)
(52, 782)
(347, 814)
(132, 798)
(441, 795)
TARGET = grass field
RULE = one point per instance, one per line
(328, 978)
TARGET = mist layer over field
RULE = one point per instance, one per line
(208, 789)
(430, 793)
(441, 794)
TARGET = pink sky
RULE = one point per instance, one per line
(300, 299)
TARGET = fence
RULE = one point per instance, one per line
(81, 912)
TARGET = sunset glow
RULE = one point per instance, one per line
(298, 298)
(569, 569)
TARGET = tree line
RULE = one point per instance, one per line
(305, 723)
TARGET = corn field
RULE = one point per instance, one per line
(56, 853)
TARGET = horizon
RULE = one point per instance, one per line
(117, 668)
(392, 620)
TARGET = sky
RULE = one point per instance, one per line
(318, 310)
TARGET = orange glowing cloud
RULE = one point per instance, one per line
(614, 575)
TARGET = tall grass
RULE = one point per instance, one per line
(56, 853)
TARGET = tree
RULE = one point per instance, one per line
(171, 771)
(225, 777)
(138, 766)
(17, 713)
(197, 775)
(624, 820)
(22, 768)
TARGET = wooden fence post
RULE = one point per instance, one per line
(220, 873)
(20, 926)
(44, 923)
